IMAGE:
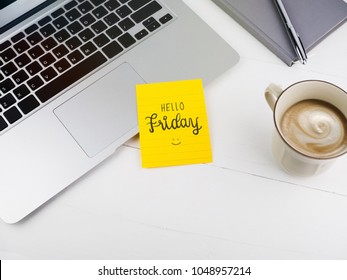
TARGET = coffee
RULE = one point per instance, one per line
(315, 128)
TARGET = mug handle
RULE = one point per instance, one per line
(272, 92)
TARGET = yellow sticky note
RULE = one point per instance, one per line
(173, 124)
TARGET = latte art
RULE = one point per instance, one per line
(316, 128)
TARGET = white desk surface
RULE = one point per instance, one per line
(241, 206)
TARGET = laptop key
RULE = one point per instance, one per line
(101, 40)
(165, 18)
(111, 19)
(73, 43)
(85, 7)
(88, 19)
(35, 38)
(70, 5)
(97, 2)
(86, 35)
(114, 32)
(99, 26)
(75, 57)
(22, 60)
(31, 29)
(36, 52)
(9, 68)
(99, 12)
(20, 77)
(123, 11)
(112, 4)
(70, 76)
(62, 65)
(21, 91)
(57, 13)
(47, 30)
(60, 51)
(141, 34)
(33, 68)
(3, 124)
(112, 49)
(48, 74)
(7, 101)
(88, 48)
(146, 12)
(4, 45)
(6, 85)
(73, 14)
(21, 46)
(126, 40)
(35, 83)
(75, 27)
(126, 24)
(8, 54)
(60, 22)
(148, 21)
(12, 115)
(62, 35)
(47, 59)
(17, 37)
(49, 44)
(137, 4)
(44, 20)
(28, 104)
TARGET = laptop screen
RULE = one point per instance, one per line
(12, 11)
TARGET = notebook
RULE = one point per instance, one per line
(312, 19)
(68, 76)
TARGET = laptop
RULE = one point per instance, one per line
(67, 84)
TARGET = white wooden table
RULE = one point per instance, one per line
(241, 206)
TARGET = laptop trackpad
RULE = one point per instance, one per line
(103, 113)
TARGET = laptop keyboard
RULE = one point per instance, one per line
(61, 48)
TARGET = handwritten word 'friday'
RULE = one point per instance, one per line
(175, 123)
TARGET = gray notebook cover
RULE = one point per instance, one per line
(312, 19)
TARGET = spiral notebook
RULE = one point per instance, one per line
(313, 20)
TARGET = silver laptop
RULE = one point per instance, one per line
(67, 84)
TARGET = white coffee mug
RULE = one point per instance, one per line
(297, 161)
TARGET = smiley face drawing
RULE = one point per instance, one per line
(176, 142)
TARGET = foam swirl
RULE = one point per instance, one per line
(315, 128)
